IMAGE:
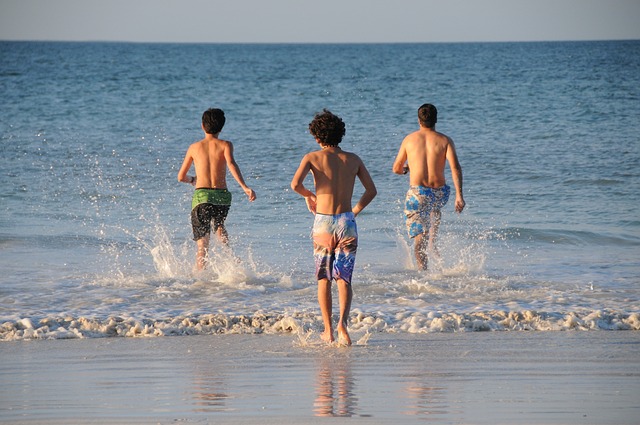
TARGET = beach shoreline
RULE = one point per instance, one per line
(529, 314)
(568, 377)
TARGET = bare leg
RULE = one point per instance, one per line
(201, 255)
(223, 236)
(420, 250)
(433, 233)
(345, 294)
(325, 301)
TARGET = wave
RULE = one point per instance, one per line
(302, 323)
(568, 237)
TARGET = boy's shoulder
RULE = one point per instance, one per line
(195, 146)
(212, 141)
(314, 154)
(224, 143)
(416, 136)
(352, 155)
(441, 138)
(198, 142)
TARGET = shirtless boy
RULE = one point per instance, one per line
(211, 200)
(423, 154)
(335, 235)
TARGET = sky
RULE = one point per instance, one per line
(320, 21)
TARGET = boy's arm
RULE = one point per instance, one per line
(297, 184)
(235, 171)
(370, 190)
(456, 175)
(186, 164)
(399, 165)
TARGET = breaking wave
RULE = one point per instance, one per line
(299, 323)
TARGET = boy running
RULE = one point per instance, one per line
(335, 234)
(211, 200)
(423, 154)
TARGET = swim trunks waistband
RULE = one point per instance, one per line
(420, 187)
(210, 196)
(348, 214)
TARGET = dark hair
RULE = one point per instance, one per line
(428, 115)
(213, 120)
(327, 128)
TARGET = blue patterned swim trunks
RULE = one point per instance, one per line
(420, 202)
(335, 241)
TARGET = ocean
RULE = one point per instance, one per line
(95, 236)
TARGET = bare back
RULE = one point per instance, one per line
(334, 172)
(425, 152)
(209, 159)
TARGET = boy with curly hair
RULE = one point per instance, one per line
(335, 234)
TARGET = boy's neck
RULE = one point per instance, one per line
(425, 128)
(330, 147)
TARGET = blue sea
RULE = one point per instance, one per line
(95, 236)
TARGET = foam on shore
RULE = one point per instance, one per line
(210, 324)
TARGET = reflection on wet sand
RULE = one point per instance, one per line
(210, 392)
(427, 401)
(334, 389)
(427, 395)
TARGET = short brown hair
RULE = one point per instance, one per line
(213, 120)
(428, 115)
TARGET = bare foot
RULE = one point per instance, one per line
(327, 336)
(343, 336)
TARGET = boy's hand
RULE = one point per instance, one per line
(311, 203)
(250, 193)
(459, 205)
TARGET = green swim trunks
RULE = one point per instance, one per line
(207, 206)
(210, 196)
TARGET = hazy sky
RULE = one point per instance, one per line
(321, 21)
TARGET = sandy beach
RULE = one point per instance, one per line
(463, 378)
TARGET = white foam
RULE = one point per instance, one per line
(306, 324)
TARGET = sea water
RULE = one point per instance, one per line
(95, 236)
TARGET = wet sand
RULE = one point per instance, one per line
(460, 378)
